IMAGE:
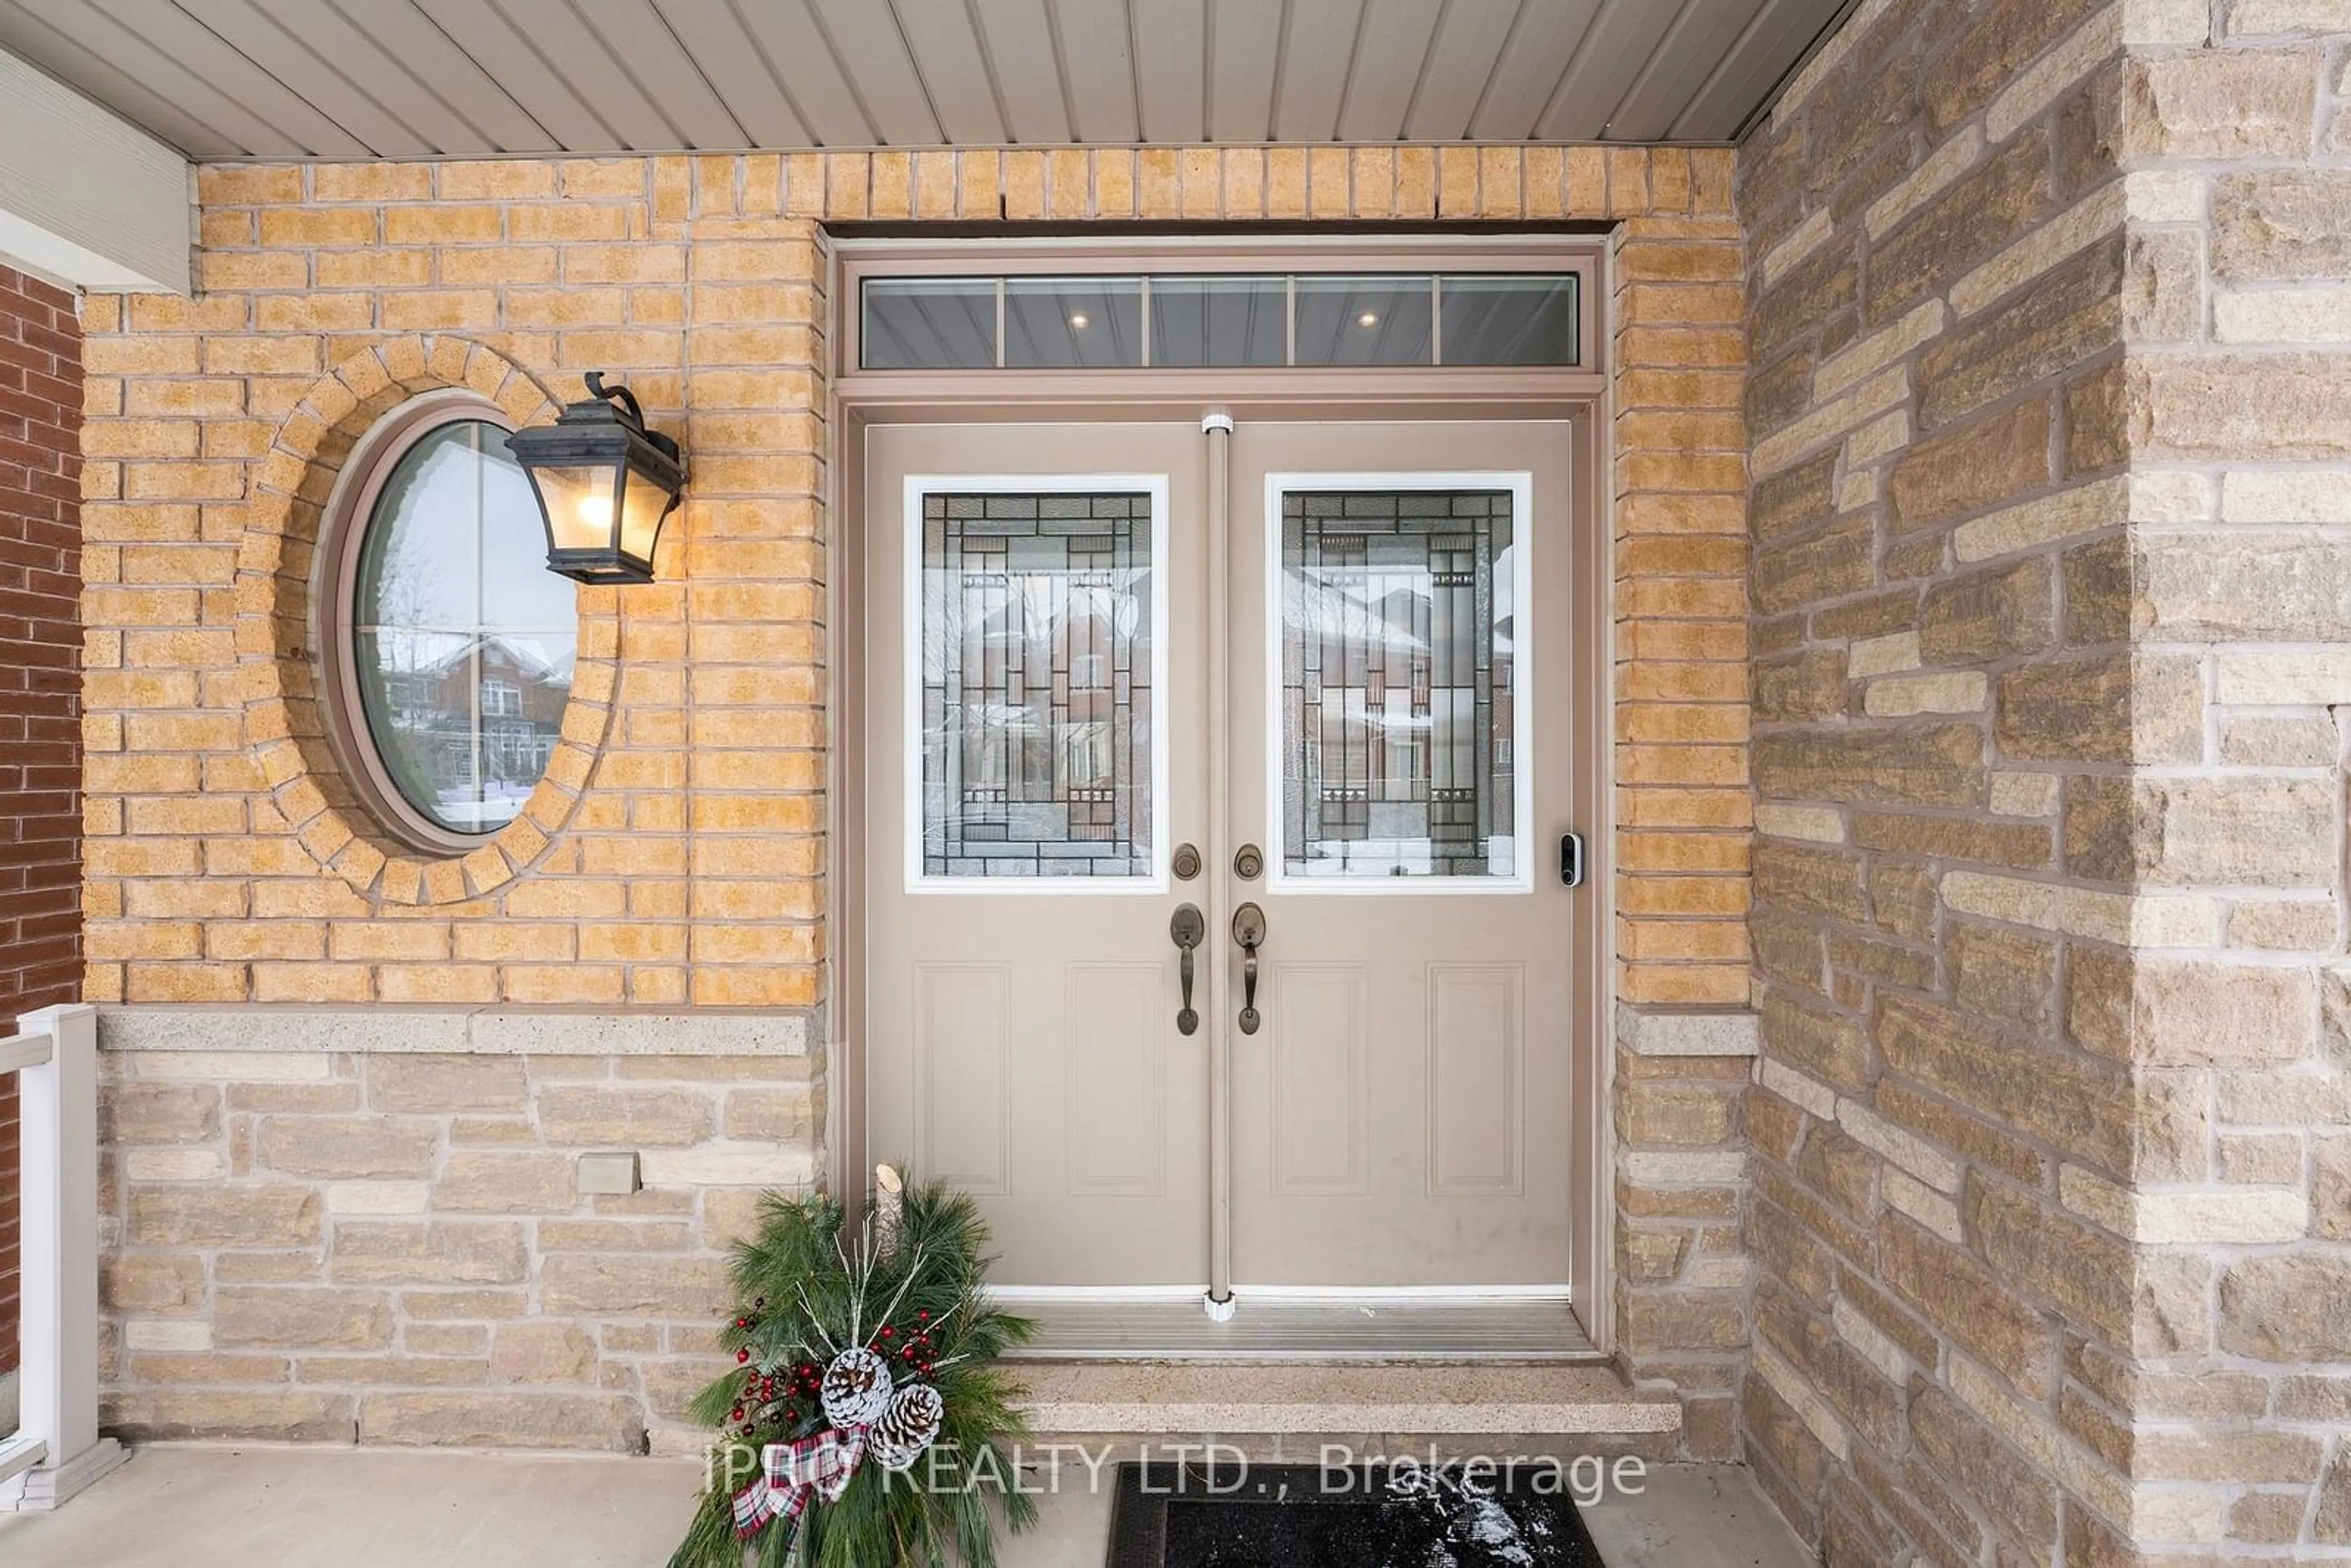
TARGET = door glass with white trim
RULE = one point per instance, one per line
(1038, 697)
(1397, 706)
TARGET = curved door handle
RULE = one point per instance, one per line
(1187, 927)
(1249, 930)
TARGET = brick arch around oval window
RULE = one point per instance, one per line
(275, 632)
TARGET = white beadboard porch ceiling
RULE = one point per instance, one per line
(418, 79)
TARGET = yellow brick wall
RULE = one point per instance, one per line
(674, 856)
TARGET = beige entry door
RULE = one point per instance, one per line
(1362, 727)
(1029, 754)
(1403, 748)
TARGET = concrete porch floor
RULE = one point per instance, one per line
(216, 1507)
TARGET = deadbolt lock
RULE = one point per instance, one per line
(1249, 862)
(1187, 864)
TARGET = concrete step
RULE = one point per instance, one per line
(1544, 1400)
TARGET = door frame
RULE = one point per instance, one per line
(1581, 398)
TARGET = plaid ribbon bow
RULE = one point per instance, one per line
(793, 1475)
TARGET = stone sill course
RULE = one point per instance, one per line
(477, 1031)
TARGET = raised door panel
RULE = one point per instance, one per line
(1114, 1058)
(1320, 1084)
(962, 1041)
(1477, 1080)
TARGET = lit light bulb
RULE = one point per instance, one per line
(592, 513)
(1368, 318)
(1080, 319)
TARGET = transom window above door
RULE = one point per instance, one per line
(1211, 319)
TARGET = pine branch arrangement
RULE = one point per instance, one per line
(807, 1294)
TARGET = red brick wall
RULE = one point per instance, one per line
(40, 716)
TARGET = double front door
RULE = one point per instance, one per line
(1215, 783)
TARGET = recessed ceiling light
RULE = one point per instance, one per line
(1368, 318)
(1079, 319)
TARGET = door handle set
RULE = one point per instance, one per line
(1249, 930)
(1186, 928)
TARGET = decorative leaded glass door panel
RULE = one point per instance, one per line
(1394, 622)
(1037, 624)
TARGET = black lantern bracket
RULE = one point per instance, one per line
(633, 412)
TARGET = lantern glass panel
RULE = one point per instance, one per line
(579, 502)
(643, 505)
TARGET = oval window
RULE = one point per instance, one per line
(456, 642)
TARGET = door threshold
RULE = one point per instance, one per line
(1317, 1331)
(1263, 1410)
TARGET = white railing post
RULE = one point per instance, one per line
(56, 1106)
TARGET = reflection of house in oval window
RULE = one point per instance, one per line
(455, 644)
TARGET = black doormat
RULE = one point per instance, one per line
(1300, 1516)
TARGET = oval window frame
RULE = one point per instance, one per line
(350, 508)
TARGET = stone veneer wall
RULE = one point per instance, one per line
(1683, 1275)
(2049, 1187)
(2236, 407)
(40, 734)
(372, 1232)
(673, 857)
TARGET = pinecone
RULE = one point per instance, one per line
(906, 1426)
(856, 1388)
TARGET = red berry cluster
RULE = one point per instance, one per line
(768, 1393)
(759, 1388)
(913, 1346)
(746, 1323)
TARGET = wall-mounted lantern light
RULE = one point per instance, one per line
(604, 481)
